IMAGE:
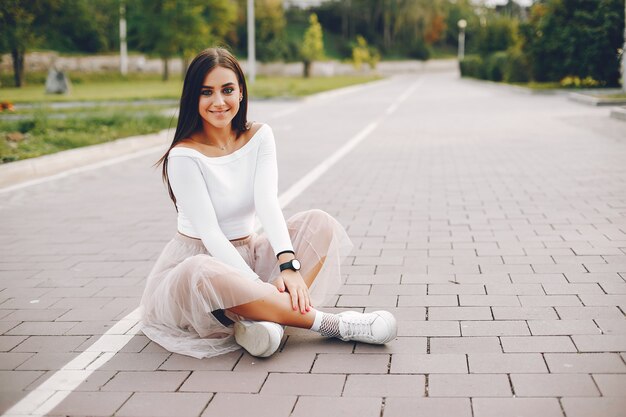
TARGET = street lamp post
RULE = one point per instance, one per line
(251, 50)
(462, 25)
(624, 53)
(123, 49)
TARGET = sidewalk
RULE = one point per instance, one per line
(491, 223)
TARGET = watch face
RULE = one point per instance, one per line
(296, 264)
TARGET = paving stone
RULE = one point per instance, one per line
(596, 277)
(44, 361)
(614, 288)
(489, 300)
(538, 278)
(403, 313)
(429, 328)
(549, 300)
(412, 345)
(164, 404)
(387, 279)
(524, 313)
(397, 289)
(586, 363)
(608, 326)
(589, 313)
(432, 407)
(125, 361)
(537, 344)
(331, 363)
(224, 381)
(90, 403)
(456, 289)
(603, 299)
(7, 343)
(224, 362)
(367, 301)
(514, 289)
(600, 407)
(472, 385)
(162, 381)
(41, 328)
(427, 300)
(342, 406)
(553, 385)
(50, 344)
(35, 315)
(562, 327)
(304, 384)
(556, 289)
(451, 345)
(384, 386)
(494, 328)
(287, 361)
(600, 343)
(611, 385)
(459, 313)
(237, 405)
(428, 364)
(11, 360)
(519, 407)
(506, 363)
(17, 380)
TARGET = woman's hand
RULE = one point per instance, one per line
(292, 282)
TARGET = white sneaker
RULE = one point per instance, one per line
(259, 338)
(376, 328)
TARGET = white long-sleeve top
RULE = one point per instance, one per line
(217, 197)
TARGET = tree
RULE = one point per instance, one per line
(578, 38)
(168, 28)
(22, 23)
(312, 45)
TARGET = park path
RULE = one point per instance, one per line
(491, 222)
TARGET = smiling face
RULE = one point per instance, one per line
(219, 97)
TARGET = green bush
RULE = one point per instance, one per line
(472, 66)
(495, 66)
(578, 38)
(517, 69)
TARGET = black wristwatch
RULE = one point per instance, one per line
(293, 264)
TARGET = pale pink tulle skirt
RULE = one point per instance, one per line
(187, 284)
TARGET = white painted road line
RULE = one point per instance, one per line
(62, 383)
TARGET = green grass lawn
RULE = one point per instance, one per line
(41, 135)
(155, 89)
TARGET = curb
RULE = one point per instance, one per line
(595, 101)
(18, 172)
(619, 113)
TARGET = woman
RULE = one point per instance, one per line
(220, 171)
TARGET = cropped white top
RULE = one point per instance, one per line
(217, 197)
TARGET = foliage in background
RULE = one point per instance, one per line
(312, 45)
(362, 53)
(575, 38)
(23, 27)
(168, 28)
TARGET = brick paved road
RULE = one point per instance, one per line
(491, 222)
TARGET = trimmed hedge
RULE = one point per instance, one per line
(510, 66)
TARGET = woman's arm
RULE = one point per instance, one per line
(266, 196)
(193, 198)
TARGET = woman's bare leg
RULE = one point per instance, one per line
(276, 308)
(310, 277)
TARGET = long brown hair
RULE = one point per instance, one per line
(189, 121)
